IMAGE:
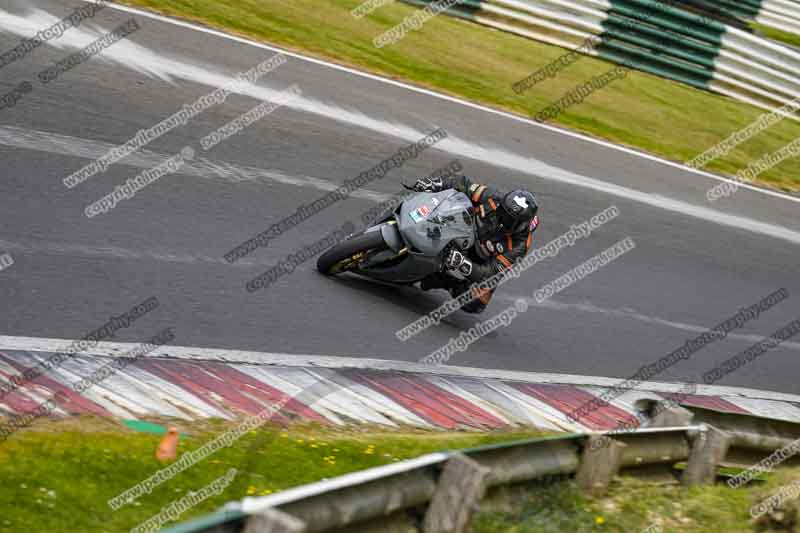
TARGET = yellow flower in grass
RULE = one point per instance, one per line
(314, 446)
(300, 441)
(251, 489)
(599, 520)
(284, 435)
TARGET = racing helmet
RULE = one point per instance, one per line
(517, 210)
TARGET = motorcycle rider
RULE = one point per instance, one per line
(505, 225)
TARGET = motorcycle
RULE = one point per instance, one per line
(410, 244)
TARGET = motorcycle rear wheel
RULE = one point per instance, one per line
(344, 255)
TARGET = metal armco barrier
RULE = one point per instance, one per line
(657, 37)
(438, 492)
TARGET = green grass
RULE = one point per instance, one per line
(58, 476)
(481, 64)
(630, 506)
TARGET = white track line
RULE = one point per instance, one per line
(115, 349)
(148, 61)
(108, 349)
(588, 307)
(448, 98)
(202, 167)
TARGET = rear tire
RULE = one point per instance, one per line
(335, 260)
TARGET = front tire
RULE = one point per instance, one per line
(344, 255)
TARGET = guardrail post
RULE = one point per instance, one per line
(709, 447)
(600, 462)
(273, 521)
(672, 418)
(461, 486)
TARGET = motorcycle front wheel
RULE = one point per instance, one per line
(345, 255)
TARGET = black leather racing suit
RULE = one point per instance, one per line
(497, 247)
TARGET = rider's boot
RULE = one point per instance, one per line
(475, 306)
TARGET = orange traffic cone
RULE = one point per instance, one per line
(168, 448)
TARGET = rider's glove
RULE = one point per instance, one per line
(429, 185)
(456, 261)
